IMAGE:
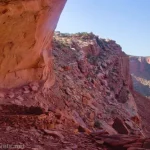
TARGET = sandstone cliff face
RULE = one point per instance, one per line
(140, 71)
(26, 30)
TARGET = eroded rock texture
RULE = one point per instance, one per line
(91, 90)
(92, 93)
(26, 30)
(140, 71)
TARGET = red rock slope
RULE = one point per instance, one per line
(92, 93)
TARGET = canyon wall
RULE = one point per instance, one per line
(95, 83)
(26, 31)
(140, 71)
(92, 94)
(93, 91)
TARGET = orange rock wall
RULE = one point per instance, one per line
(26, 29)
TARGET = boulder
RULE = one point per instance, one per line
(119, 126)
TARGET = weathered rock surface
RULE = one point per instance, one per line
(92, 89)
(144, 111)
(120, 142)
(92, 104)
(92, 94)
(35, 139)
(140, 71)
(26, 31)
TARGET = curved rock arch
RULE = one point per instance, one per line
(26, 31)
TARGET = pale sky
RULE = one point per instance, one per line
(125, 21)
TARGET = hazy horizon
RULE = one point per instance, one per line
(125, 21)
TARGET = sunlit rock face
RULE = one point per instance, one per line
(148, 60)
(26, 30)
(140, 70)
